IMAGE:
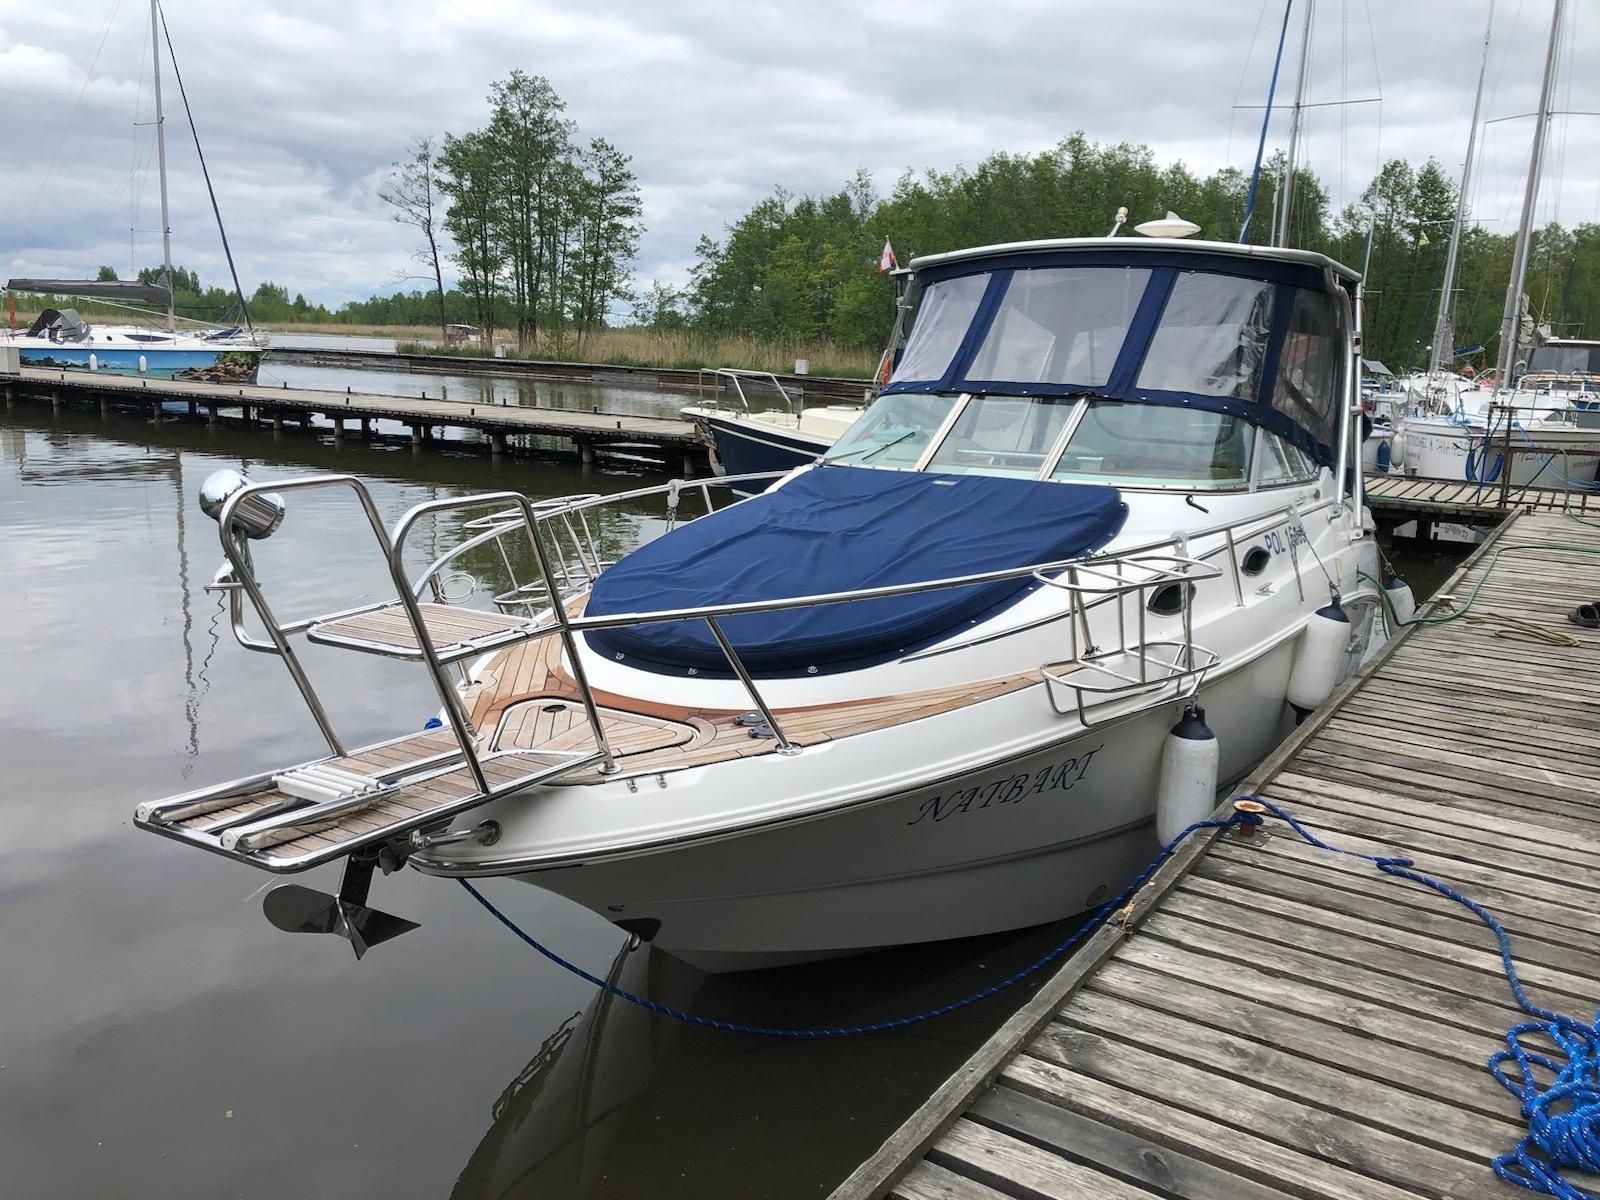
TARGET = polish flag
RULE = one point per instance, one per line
(886, 260)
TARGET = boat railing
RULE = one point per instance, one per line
(726, 379)
(1135, 663)
(559, 538)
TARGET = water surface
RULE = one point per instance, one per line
(159, 1038)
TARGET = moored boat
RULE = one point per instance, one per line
(921, 689)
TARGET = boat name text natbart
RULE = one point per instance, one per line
(1010, 790)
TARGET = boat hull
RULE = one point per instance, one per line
(1029, 838)
(222, 365)
(747, 447)
(1438, 450)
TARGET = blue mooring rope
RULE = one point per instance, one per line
(1563, 1117)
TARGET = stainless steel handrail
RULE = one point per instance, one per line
(558, 608)
(735, 374)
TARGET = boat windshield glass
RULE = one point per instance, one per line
(1003, 435)
(894, 431)
(1564, 360)
(1149, 445)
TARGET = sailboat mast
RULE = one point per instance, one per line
(1282, 238)
(1443, 334)
(161, 157)
(1511, 319)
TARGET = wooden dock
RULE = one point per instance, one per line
(586, 431)
(1266, 1018)
(1407, 498)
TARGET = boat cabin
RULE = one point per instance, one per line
(1139, 364)
(1101, 368)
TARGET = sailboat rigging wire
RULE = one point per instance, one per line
(1266, 120)
(1244, 70)
(211, 192)
(72, 115)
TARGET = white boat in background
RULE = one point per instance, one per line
(59, 339)
(1453, 431)
(747, 440)
(925, 688)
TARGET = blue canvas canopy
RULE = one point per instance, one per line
(1261, 329)
(836, 529)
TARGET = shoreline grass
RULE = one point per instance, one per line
(680, 350)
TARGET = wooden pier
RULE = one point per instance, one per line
(1400, 498)
(1266, 1018)
(671, 438)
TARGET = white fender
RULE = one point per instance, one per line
(1397, 449)
(1401, 599)
(1188, 787)
(1320, 658)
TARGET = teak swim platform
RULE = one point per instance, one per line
(1266, 1018)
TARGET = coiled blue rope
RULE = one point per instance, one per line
(1563, 1117)
(1042, 961)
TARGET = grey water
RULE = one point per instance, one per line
(158, 1038)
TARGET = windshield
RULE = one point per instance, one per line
(1003, 435)
(1150, 445)
(1564, 360)
(894, 431)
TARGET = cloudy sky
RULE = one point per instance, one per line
(303, 105)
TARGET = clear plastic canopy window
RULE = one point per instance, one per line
(946, 311)
(1061, 325)
(1212, 340)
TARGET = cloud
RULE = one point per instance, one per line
(303, 106)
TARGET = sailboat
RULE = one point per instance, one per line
(1456, 430)
(60, 339)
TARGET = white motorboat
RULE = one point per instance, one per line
(744, 439)
(923, 689)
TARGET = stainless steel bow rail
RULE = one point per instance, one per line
(376, 804)
(724, 379)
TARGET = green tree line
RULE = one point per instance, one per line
(806, 267)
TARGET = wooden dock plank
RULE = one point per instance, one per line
(1267, 1017)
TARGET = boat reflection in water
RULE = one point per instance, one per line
(618, 1102)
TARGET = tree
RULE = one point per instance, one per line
(606, 208)
(411, 189)
(105, 275)
(473, 219)
(530, 142)
(659, 308)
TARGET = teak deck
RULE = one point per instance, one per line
(529, 676)
(531, 724)
(1268, 1020)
